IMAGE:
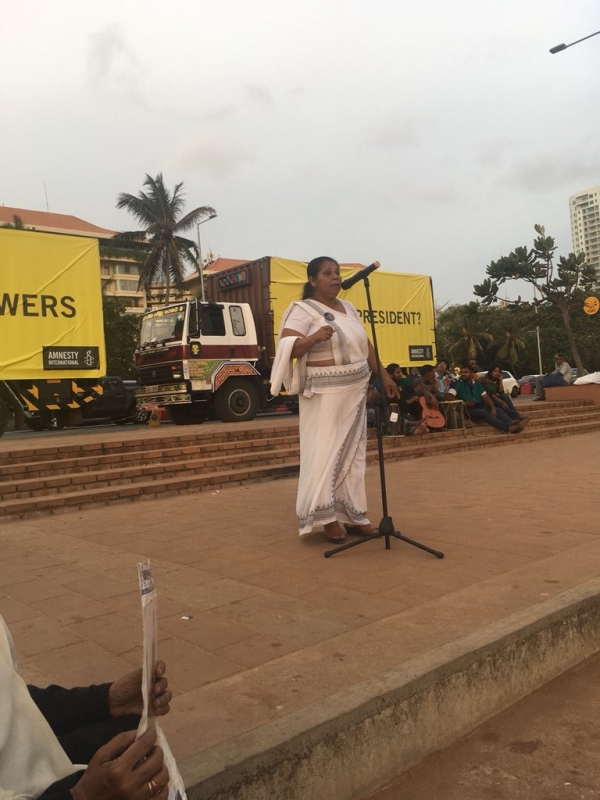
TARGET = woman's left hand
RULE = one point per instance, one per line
(125, 694)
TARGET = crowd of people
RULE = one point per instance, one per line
(427, 393)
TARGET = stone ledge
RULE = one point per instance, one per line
(361, 738)
(586, 391)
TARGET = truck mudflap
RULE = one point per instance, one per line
(227, 369)
(56, 395)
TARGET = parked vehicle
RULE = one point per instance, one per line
(509, 382)
(531, 379)
(213, 359)
(51, 326)
(117, 403)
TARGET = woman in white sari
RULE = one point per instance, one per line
(334, 361)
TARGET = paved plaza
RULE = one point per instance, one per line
(255, 624)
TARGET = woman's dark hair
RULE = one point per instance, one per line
(312, 270)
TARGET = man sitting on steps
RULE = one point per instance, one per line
(479, 405)
(562, 376)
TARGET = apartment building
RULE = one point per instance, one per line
(585, 224)
(119, 266)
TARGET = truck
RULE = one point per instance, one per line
(212, 359)
(52, 352)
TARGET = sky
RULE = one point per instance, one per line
(429, 135)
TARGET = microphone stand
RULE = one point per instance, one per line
(386, 527)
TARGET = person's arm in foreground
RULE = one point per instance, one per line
(489, 403)
(66, 710)
(389, 385)
(109, 774)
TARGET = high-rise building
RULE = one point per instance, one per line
(585, 225)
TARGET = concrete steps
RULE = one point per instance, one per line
(53, 478)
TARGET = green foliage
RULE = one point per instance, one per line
(564, 284)
(159, 212)
(106, 251)
(465, 332)
(120, 335)
(17, 224)
(514, 342)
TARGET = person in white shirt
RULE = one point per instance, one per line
(562, 376)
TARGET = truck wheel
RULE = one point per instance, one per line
(3, 418)
(193, 414)
(34, 423)
(236, 401)
(140, 416)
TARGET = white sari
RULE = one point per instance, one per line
(333, 415)
(31, 758)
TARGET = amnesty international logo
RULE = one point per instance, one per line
(71, 358)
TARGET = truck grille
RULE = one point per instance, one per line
(159, 373)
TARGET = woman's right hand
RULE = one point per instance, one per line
(323, 334)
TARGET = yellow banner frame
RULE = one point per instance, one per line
(50, 299)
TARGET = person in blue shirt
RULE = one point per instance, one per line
(478, 403)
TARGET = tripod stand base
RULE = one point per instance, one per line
(386, 531)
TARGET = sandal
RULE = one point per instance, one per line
(336, 533)
(361, 530)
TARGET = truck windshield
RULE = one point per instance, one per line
(165, 325)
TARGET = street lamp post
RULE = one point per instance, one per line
(560, 47)
(200, 265)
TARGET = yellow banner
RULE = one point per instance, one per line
(402, 308)
(51, 322)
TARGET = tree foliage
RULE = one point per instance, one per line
(160, 213)
(514, 342)
(563, 284)
(16, 224)
(120, 336)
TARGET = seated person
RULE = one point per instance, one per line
(492, 381)
(479, 405)
(395, 372)
(47, 736)
(562, 376)
(430, 382)
(443, 376)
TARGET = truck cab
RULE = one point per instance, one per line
(199, 360)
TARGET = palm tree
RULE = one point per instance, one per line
(17, 224)
(159, 212)
(512, 331)
(465, 326)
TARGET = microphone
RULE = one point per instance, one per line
(358, 276)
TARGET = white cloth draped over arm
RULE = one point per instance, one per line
(283, 372)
